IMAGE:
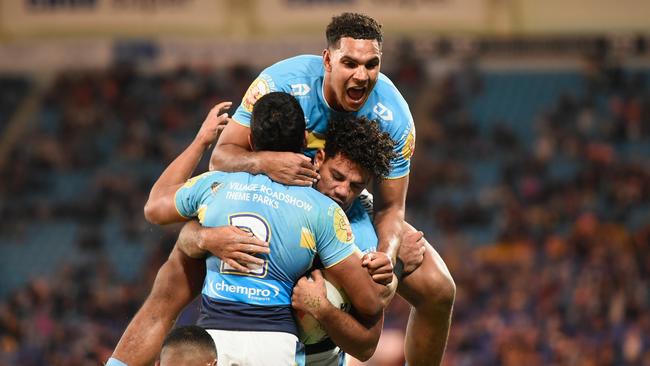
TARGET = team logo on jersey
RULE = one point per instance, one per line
(409, 145)
(258, 88)
(215, 187)
(383, 112)
(342, 226)
(298, 90)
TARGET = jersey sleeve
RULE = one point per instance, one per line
(270, 80)
(404, 137)
(190, 196)
(334, 240)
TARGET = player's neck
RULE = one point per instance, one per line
(330, 97)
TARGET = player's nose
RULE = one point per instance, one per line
(361, 74)
(342, 191)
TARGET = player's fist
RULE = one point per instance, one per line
(214, 123)
(310, 294)
(379, 267)
(412, 249)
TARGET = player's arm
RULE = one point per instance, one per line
(380, 269)
(160, 207)
(230, 243)
(233, 154)
(364, 293)
(355, 334)
(390, 205)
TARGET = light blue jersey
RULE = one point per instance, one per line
(363, 230)
(298, 222)
(366, 240)
(302, 77)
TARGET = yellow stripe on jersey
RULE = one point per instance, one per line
(307, 239)
(315, 140)
(201, 213)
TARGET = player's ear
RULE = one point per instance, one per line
(319, 158)
(327, 60)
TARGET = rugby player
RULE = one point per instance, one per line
(248, 313)
(188, 346)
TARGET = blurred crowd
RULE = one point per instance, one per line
(551, 260)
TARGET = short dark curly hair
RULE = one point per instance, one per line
(354, 25)
(360, 140)
(278, 123)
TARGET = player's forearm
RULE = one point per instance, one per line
(181, 168)
(389, 222)
(189, 240)
(390, 206)
(388, 292)
(234, 158)
(160, 208)
(353, 337)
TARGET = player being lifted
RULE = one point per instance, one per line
(345, 79)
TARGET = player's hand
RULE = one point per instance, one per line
(310, 294)
(379, 267)
(214, 123)
(289, 168)
(411, 251)
(234, 246)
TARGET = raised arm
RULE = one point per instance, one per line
(160, 207)
(390, 205)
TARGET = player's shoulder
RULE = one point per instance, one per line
(387, 105)
(386, 93)
(207, 176)
(301, 66)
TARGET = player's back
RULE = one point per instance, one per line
(298, 222)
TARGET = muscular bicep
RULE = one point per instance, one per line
(233, 140)
(357, 284)
(161, 208)
(391, 193)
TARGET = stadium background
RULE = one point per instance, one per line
(531, 175)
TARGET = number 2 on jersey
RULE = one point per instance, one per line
(257, 225)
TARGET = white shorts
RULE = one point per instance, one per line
(246, 348)
(333, 357)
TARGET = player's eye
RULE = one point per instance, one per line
(371, 65)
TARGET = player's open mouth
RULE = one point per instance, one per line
(356, 93)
